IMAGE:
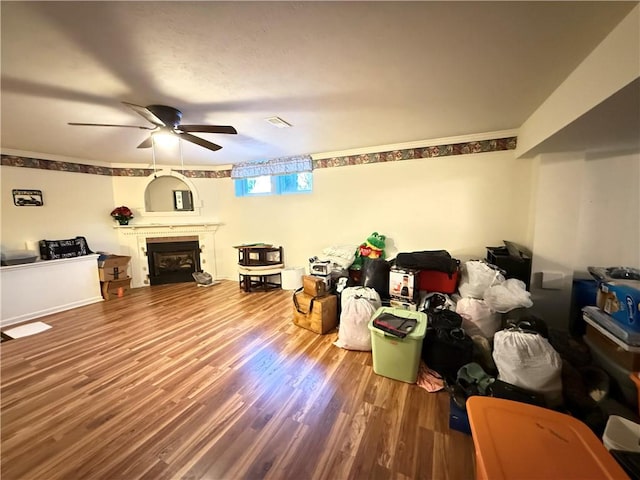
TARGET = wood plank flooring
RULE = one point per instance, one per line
(180, 382)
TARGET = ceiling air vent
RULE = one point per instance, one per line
(278, 122)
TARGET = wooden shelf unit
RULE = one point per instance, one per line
(260, 267)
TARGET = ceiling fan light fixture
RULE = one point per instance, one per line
(166, 123)
(164, 138)
(278, 122)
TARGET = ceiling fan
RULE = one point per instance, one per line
(167, 120)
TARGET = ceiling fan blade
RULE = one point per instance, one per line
(145, 113)
(108, 125)
(147, 143)
(198, 141)
(208, 128)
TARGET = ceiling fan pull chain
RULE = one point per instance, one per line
(153, 155)
(181, 158)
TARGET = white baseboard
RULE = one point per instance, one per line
(48, 311)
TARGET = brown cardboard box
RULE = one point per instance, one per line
(314, 286)
(113, 267)
(628, 360)
(318, 314)
(115, 288)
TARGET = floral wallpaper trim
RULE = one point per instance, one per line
(465, 148)
(26, 162)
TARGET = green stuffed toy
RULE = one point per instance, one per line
(372, 248)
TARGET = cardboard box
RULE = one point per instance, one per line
(320, 315)
(403, 283)
(314, 286)
(625, 358)
(112, 267)
(115, 288)
(621, 300)
(403, 304)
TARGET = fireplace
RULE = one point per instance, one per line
(172, 259)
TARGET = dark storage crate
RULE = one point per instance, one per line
(516, 266)
(458, 418)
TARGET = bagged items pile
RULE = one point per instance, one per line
(485, 294)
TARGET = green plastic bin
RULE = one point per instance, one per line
(394, 357)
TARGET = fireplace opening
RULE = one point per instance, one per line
(172, 259)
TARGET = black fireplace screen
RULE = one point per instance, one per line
(173, 262)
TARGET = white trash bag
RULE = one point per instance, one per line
(476, 277)
(508, 295)
(529, 361)
(477, 317)
(358, 306)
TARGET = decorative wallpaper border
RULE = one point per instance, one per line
(481, 146)
(465, 148)
(27, 162)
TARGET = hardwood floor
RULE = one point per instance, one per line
(180, 382)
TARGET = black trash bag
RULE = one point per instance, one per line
(444, 319)
(446, 350)
(435, 301)
(375, 274)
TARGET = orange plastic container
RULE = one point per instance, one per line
(515, 440)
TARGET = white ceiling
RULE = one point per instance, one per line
(346, 74)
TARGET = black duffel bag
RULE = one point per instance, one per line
(439, 260)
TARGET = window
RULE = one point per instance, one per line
(274, 184)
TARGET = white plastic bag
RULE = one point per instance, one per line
(529, 361)
(358, 306)
(476, 277)
(477, 317)
(508, 295)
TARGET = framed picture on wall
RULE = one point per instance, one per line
(182, 200)
(27, 198)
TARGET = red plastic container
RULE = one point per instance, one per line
(435, 281)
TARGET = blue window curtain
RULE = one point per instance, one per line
(276, 166)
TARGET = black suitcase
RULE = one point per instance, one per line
(375, 274)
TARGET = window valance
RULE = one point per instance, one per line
(275, 166)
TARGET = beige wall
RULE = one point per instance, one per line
(587, 212)
(609, 223)
(461, 204)
(74, 204)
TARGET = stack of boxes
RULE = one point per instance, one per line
(114, 280)
(314, 308)
(403, 288)
(321, 269)
(405, 285)
(613, 326)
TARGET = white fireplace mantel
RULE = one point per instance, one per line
(133, 240)
(170, 226)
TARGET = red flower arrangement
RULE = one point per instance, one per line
(122, 214)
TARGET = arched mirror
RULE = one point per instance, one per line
(168, 191)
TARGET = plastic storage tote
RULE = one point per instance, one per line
(516, 440)
(621, 434)
(394, 357)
